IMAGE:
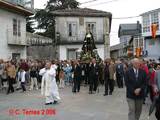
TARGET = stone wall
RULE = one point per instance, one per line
(41, 52)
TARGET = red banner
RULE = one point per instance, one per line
(154, 30)
(138, 52)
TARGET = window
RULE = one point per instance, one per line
(71, 54)
(154, 18)
(146, 23)
(19, 28)
(136, 42)
(72, 29)
(16, 56)
(141, 42)
(91, 27)
(14, 26)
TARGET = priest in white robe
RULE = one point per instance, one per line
(49, 86)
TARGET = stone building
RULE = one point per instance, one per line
(13, 29)
(151, 46)
(71, 27)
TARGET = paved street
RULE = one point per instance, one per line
(81, 106)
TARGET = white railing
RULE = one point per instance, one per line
(80, 37)
(16, 39)
(35, 39)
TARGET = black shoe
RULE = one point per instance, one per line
(105, 94)
(110, 93)
(48, 103)
(90, 92)
(74, 91)
(55, 102)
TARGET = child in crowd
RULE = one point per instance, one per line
(61, 78)
(23, 79)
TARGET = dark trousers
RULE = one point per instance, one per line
(151, 92)
(109, 83)
(83, 79)
(76, 85)
(101, 80)
(10, 85)
(86, 79)
(93, 84)
(119, 80)
(157, 113)
(23, 86)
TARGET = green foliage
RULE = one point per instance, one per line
(61, 4)
(29, 24)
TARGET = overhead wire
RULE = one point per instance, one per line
(98, 3)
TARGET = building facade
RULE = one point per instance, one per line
(130, 39)
(13, 30)
(39, 47)
(115, 51)
(71, 28)
(151, 45)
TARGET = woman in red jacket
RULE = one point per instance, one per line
(152, 72)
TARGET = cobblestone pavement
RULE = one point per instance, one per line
(78, 106)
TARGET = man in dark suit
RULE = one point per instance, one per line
(106, 76)
(77, 72)
(136, 82)
(119, 74)
(94, 72)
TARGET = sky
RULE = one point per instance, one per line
(119, 9)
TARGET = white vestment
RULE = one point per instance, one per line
(49, 86)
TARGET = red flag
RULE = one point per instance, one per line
(138, 51)
(154, 27)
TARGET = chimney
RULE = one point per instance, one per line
(138, 27)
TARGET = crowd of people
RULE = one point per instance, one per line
(141, 78)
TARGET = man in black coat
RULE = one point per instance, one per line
(136, 82)
(94, 73)
(119, 74)
(106, 77)
(77, 73)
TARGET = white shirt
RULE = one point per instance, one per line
(136, 71)
(22, 75)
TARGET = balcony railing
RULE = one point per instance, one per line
(16, 39)
(37, 40)
(79, 38)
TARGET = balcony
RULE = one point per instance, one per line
(65, 39)
(16, 39)
(37, 40)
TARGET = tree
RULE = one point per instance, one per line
(29, 24)
(45, 18)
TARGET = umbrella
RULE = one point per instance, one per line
(153, 105)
